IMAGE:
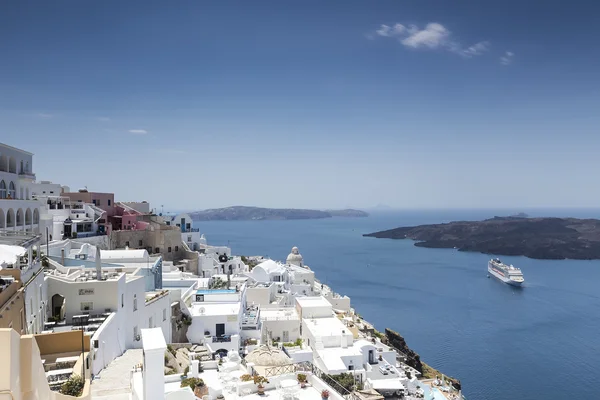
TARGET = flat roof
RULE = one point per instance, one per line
(279, 313)
(153, 339)
(326, 326)
(215, 291)
(313, 301)
(232, 308)
(16, 148)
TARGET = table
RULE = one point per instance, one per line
(290, 387)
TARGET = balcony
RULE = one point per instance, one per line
(27, 175)
(221, 339)
(190, 230)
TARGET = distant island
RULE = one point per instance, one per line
(540, 238)
(241, 213)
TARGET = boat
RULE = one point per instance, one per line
(506, 273)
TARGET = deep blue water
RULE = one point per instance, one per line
(538, 342)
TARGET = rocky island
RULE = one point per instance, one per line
(241, 213)
(540, 238)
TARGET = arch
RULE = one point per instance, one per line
(12, 165)
(28, 217)
(2, 219)
(36, 216)
(22, 167)
(58, 306)
(27, 167)
(26, 193)
(20, 217)
(10, 218)
(12, 190)
(3, 163)
(3, 192)
(21, 194)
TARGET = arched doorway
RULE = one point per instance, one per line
(29, 218)
(3, 163)
(10, 218)
(2, 219)
(36, 216)
(3, 192)
(12, 190)
(58, 306)
(20, 218)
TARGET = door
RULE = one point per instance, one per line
(220, 330)
(286, 336)
(182, 224)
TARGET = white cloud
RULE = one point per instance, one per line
(433, 36)
(387, 31)
(43, 115)
(507, 58)
(138, 131)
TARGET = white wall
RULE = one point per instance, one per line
(160, 312)
(339, 303)
(110, 344)
(277, 327)
(135, 289)
(105, 295)
(258, 295)
(36, 295)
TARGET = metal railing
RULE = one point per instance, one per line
(307, 366)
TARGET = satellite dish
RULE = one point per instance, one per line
(201, 310)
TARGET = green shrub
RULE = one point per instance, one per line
(73, 386)
(186, 370)
(192, 382)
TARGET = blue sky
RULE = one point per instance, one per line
(308, 104)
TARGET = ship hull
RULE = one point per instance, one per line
(504, 279)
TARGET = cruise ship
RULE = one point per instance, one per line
(506, 273)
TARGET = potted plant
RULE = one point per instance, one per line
(258, 381)
(380, 357)
(200, 390)
(324, 394)
(302, 380)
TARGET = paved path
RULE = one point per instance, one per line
(113, 381)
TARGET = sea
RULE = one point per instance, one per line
(539, 342)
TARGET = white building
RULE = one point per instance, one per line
(216, 317)
(117, 303)
(189, 235)
(280, 323)
(17, 209)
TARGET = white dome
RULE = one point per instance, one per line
(266, 356)
(294, 257)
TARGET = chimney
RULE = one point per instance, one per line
(154, 346)
(98, 264)
(62, 256)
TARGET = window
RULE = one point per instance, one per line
(127, 243)
(134, 304)
(189, 238)
(3, 190)
(157, 250)
(176, 248)
(109, 202)
(169, 250)
(199, 297)
(140, 243)
(52, 192)
(150, 323)
(87, 306)
(94, 201)
(97, 202)
(122, 300)
(164, 314)
(135, 333)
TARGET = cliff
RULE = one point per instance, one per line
(395, 340)
(541, 238)
(240, 213)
